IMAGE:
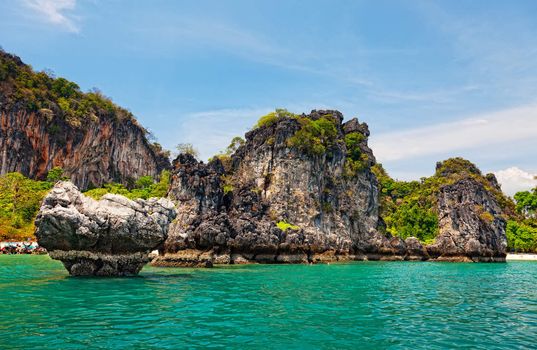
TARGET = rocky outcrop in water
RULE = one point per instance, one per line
(471, 224)
(48, 122)
(301, 189)
(281, 198)
(109, 237)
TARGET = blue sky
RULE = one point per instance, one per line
(433, 79)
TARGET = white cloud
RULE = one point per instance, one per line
(514, 180)
(488, 129)
(54, 11)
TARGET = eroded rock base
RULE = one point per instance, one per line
(198, 258)
(85, 263)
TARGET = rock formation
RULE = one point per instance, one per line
(40, 128)
(109, 237)
(280, 200)
(471, 223)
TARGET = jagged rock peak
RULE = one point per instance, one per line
(471, 223)
(299, 189)
(302, 188)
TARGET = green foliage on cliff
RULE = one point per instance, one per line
(356, 160)
(225, 157)
(144, 188)
(227, 183)
(314, 136)
(273, 117)
(284, 226)
(20, 199)
(409, 208)
(187, 148)
(55, 174)
(23, 88)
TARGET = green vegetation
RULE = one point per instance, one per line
(57, 100)
(236, 142)
(20, 199)
(526, 202)
(315, 136)
(55, 174)
(273, 117)
(522, 236)
(356, 160)
(522, 233)
(187, 148)
(409, 208)
(227, 183)
(284, 226)
(144, 188)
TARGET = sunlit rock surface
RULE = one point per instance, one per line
(109, 237)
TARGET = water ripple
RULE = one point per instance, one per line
(372, 305)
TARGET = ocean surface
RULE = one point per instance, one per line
(362, 305)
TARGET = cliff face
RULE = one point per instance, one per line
(276, 201)
(48, 122)
(471, 224)
(98, 153)
(303, 189)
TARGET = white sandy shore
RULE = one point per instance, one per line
(521, 257)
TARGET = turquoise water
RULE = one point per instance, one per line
(374, 305)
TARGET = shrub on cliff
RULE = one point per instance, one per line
(356, 160)
(273, 117)
(187, 148)
(21, 86)
(225, 157)
(284, 226)
(314, 136)
(55, 174)
(409, 208)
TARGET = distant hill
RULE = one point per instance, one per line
(48, 122)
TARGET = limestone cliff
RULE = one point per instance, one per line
(305, 189)
(471, 220)
(47, 122)
(300, 189)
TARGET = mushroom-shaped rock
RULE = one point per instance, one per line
(109, 237)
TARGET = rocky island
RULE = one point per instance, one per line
(298, 189)
(304, 189)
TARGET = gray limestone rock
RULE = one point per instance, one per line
(109, 237)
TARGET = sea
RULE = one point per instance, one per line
(358, 305)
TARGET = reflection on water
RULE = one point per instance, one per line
(358, 305)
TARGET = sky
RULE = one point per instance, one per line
(433, 79)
